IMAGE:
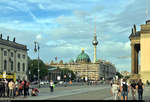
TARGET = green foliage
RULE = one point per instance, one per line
(119, 75)
(33, 68)
(66, 71)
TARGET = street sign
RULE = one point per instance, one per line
(4, 74)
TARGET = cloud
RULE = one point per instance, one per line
(64, 27)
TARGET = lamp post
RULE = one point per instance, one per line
(29, 75)
(35, 50)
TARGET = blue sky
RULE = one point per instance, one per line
(63, 27)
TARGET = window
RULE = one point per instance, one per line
(18, 55)
(23, 67)
(12, 54)
(18, 66)
(5, 65)
(23, 56)
(11, 65)
(5, 53)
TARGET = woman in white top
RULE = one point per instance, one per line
(114, 90)
(51, 86)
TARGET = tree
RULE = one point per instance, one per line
(119, 75)
(66, 71)
(33, 68)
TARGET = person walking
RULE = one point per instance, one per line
(114, 90)
(133, 89)
(25, 88)
(51, 86)
(11, 89)
(1, 86)
(20, 88)
(124, 90)
(140, 88)
(119, 91)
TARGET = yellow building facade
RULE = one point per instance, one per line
(140, 41)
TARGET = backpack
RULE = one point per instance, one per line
(27, 84)
(125, 87)
(22, 82)
(20, 87)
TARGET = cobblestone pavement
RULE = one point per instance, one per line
(85, 92)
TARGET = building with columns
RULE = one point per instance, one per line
(140, 43)
(13, 58)
(85, 69)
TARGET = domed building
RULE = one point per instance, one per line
(83, 58)
(88, 70)
(96, 70)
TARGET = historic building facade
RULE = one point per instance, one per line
(140, 41)
(83, 67)
(13, 58)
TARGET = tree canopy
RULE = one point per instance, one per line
(33, 68)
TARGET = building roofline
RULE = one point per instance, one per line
(13, 44)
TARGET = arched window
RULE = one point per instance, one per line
(23, 67)
(5, 65)
(18, 66)
(12, 66)
(5, 53)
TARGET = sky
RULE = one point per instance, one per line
(63, 27)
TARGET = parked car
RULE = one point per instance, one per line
(41, 83)
(34, 82)
(60, 82)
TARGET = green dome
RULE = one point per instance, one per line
(71, 61)
(83, 58)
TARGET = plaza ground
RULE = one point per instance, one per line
(80, 92)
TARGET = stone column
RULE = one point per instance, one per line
(132, 58)
(9, 61)
(15, 63)
(2, 62)
(136, 60)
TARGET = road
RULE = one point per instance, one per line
(83, 92)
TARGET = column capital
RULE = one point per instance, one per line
(132, 44)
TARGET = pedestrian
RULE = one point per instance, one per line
(140, 88)
(11, 89)
(20, 88)
(7, 88)
(119, 91)
(114, 90)
(133, 89)
(25, 88)
(17, 88)
(51, 86)
(124, 90)
(1, 86)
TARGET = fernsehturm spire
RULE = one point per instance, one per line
(95, 42)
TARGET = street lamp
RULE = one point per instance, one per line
(35, 50)
(29, 75)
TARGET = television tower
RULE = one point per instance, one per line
(95, 42)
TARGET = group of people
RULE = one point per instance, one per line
(121, 89)
(12, 89)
